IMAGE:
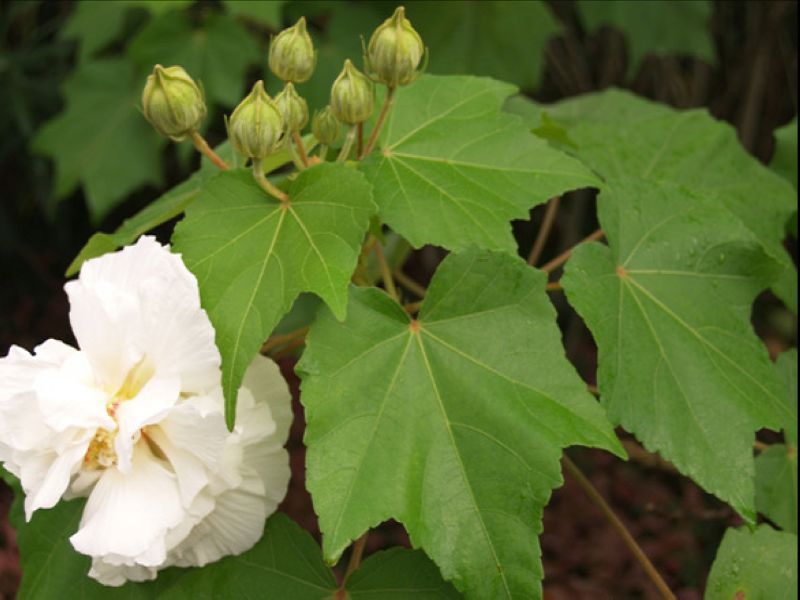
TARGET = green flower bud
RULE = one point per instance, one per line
(256, 126)
(291, 54)
(325, 126)
(352, 95)
(173, 102)
(293, 108)
(395, 51)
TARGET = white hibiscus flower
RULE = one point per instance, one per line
(135, 421)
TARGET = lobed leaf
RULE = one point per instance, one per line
(453, 424)
(253, 255)
(668, 302)
(453, 169)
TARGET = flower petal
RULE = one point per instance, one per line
(128, 515)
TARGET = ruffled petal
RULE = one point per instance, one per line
(142, 303)
(149, 406)
(128, 515)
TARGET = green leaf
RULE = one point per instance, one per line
(503, 39)
(776, 467)
(101, 141)
(445, 425)
(621, 136)
(94, 25)
(217, 54)
(776, 485)
(399, 573)
(452, 169)
(754, 565)
(662, 27)
(265, 12)
(253, 255)
(668, 302)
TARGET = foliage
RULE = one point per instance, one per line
(451, 415)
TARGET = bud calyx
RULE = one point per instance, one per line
(256, 126)
(172, 102)
(395, 51)
(293, 108)
(291, 54)
(325, 126)
(352, 95)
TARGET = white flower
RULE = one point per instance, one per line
(135, 421)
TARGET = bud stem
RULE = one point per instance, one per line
(360, 137)
(261, 180)
(323, 151)
(203, 148)
(348, 144)
(387, 104)
(298, 141)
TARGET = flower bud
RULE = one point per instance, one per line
(395, 51)
(325, 126)
(291, 54)
(172, 102)
(352, 95)
(256, 126)
(293, 108)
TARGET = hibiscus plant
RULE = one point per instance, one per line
(446, 407)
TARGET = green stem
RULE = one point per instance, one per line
(373, 138)
(323, 151)
(348, 144)
(203, 148)
(266, 185)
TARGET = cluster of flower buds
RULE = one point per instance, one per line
(260, 125)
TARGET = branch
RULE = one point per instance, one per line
(279, 340)
(615, 521)
(544, 230)
(386, 273)
(564, 256)
(411, 285)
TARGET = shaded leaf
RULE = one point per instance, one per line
(253, 255)
(784, 162)
(620, 136)
(217, 54)
(754, 565)
(399, 573)
(662, 27)
(266, 12)
(444, 424)
(452, 169)
(668, 302)
(101, 141)
(94, 25)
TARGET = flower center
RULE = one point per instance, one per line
(101, 453)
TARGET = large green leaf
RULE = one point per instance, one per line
(622, 136)
(101, 140)
(253, 255)
(452, 169)
(452, 424)
(776, 467)
(668, 302)
(662, 27)
(94, 25)
(503, 39)
(265, 12)
(217, 54)
(754, 565)
(784, 159)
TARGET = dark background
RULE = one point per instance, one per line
(753, 85)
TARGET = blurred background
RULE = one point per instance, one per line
(76, 157)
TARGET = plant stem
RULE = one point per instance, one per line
(203, 148)
(261, 179)
(355, 557)
(280, 340)
(373, 137)
(323, 151)
(348, 144)
(554, 286)
(544, 230)
(301, 149)
(412, 307)
(386, 273)
(564, 256)
(408, 283)
(615, 521)
(360, 138)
